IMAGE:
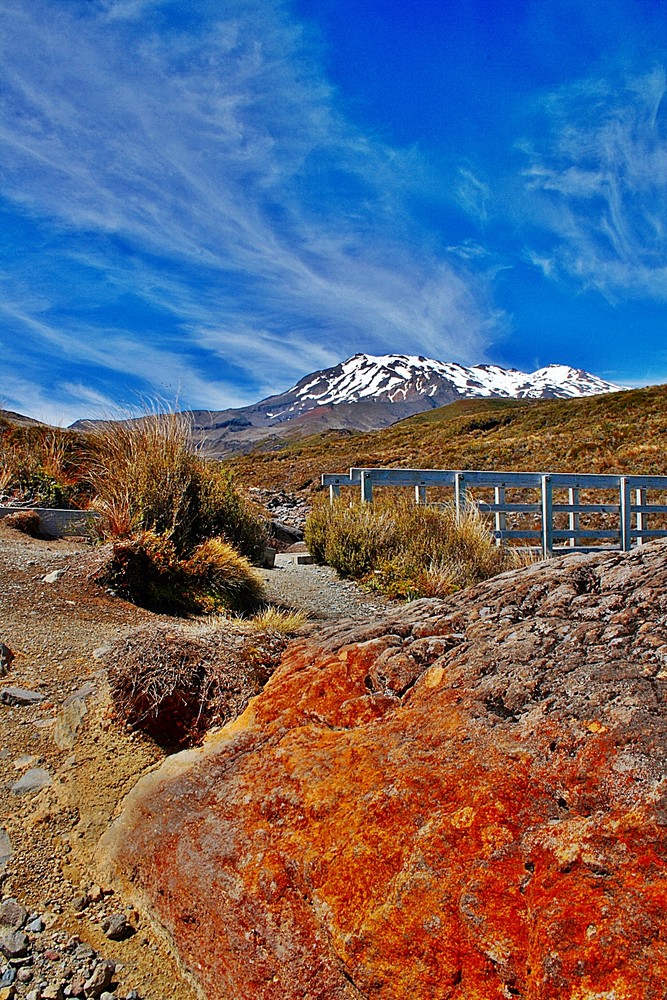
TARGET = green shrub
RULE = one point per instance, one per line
(146, 569)
(222, 511)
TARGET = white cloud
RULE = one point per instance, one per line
(598, 182)
(246, 203)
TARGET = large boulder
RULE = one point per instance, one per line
(466, 800)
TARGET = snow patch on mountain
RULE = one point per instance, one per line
(401, 377)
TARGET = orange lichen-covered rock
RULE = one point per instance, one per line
(467, 800)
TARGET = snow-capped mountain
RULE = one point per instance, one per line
(368, 392)
(400, 377)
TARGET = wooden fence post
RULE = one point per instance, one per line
(547, 518)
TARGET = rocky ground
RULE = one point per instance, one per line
(462, 800)
(65, 765)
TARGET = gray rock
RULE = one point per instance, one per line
(68, 722)
(54, 576)
(286, 533)
(12, 915)
(117, 928)
(20, 696)
(108, 996)
(101, 978)
(32, 781)
(35, 926)
(14, 944)
(5, 849)
(6, 657)
(8, 976)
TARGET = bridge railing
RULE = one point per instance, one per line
(629, 512)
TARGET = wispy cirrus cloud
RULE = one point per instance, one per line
(194, 163)
(598, 185)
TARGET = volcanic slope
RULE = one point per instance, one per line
(368, 392)
(622, 432)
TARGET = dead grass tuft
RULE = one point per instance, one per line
(175, 682)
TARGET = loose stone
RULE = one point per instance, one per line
(6, 657)
(12, 915)
(31, 781)
(17, 696)
(14, 944)
(101, 978)
(117, 928)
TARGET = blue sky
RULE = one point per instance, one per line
(210, 199)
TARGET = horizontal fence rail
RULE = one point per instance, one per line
(630, 512)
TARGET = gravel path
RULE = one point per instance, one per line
(320, 592)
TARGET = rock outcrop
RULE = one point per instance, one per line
(465, 800)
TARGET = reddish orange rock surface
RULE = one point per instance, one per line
(466, 800)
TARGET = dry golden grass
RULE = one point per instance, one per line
(403, 549)
(624, 432)
(142, 473)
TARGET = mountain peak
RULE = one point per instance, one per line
(401, 377)
(369, 391)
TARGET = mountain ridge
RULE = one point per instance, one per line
(370, 392)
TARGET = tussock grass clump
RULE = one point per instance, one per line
(406, 550)
(147, 570)
(278, 620)
(223, 577)
(41, 465)
(182, 532)
(147, 476)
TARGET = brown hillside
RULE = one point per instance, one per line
(620, 432)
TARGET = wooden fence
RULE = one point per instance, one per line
(630, 509)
